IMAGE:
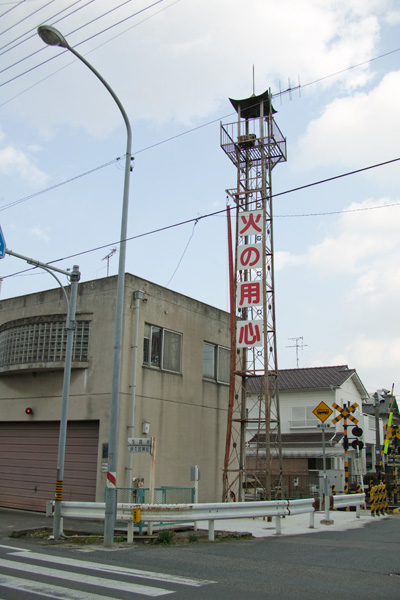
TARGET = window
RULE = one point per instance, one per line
(303, 416)
(216, 362)
(162, 348)
(316, 464)
(41, 340)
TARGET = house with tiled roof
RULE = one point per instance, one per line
(301, 391)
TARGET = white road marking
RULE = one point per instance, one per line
(47, 590)
(85, 579)
(72, 562)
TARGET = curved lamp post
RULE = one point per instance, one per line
(53, 37)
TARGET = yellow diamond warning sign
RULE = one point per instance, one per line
(322, 411)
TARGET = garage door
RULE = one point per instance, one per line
(28, 463)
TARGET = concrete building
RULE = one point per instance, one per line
(181, 391)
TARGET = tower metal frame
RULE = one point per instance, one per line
(255, 145)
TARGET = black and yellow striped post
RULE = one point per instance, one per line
(59, 491)
(383, 497)
(373, 500)
(346, 459)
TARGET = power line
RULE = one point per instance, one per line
(53, 187)
(74, 31)
(186, 132)
(16, 4)
(33, 29)
(56, 56)
(27, 17)
(93, 50)
(361, 64)
(223, 211)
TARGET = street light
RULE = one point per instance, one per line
(53, 37)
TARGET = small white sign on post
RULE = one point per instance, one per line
(141, 445)
(359, 466)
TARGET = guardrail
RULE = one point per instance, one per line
(167, 513)
(347, 500)
(154, 513)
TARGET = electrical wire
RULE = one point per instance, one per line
(223, 212)
(57, 185)
(99, 46)
(26, 17)
(274, 95)
(183, 254)
(186, 132)
(16, 4)
(33, 29)
(70, 33)
(56, 56)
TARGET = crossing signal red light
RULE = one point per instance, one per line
(357, 444)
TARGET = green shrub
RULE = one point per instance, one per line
(165, 536)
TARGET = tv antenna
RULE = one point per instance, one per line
(107, 258)
(299, 345)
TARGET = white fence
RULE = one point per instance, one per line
(175, 513)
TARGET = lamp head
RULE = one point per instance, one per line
(51, 36)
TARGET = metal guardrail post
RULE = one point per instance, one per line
(278, 529)
(211, 534)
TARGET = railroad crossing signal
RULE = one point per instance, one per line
(345, 413)
(322, 411)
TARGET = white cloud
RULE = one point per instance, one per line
(363, 232)
(15, 162)
(378, 353)
(285, 259)
(40, 233)
(181, 64)
(362, 129)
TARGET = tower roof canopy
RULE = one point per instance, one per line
(250, 108)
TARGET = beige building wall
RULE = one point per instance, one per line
(187, 414)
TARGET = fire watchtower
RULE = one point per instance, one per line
(255, 145)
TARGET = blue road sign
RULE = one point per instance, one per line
(2, 244)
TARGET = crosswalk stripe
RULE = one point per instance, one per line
(85, 579)
(103, 568)
(47, 590)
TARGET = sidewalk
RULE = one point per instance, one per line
(12, 521)
(296, 524)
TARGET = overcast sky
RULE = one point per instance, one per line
(174, 65)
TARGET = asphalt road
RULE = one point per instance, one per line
(359, 564)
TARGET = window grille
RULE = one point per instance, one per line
(42, 342)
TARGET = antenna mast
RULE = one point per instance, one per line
(107, 258)
(298, 345)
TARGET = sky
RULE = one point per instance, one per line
(333, 69)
